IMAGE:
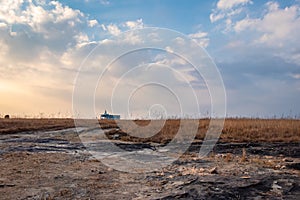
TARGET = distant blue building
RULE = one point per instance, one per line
(105, 115)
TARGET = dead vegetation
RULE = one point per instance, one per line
(234, 130)
(8, 126)
(261, 130)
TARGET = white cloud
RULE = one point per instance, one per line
(3, 25)
(34, 35)
(169, 49)
(113, 29)
(93, 23)
(135, 24)
(277, 28)
(200, 38)
(9, 10)
(295, 76)
(39, 24)
(228, 4)
(244, 24)
(179, 41)
(81, 39)
(116, 29)
(36, 15)
(272, 6)
(216, 16)
(198, 34)
(64, 12)
(132, 38)
(262, 56)
(226, 9)
(103, 27)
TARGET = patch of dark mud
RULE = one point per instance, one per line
(46, 148)
(135, 146)
(235, 148)
(276, 149)
(269, 186)
(268, 149)
(185, 162)
(37, 140)
(35, 144)
(295, 166)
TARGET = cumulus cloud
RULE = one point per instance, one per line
(134, 24)
(113, 29)
(93, 23)
(37, 16)
(244, 24)
(278, 28)
(260, 57)
(34, 35)
(228, 4)
(116, 29)
(200, 38)
(226, 9)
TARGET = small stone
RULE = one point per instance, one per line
(269, 157)
(116, 137)
(277, 167)
(287, 160)
(283, 167)
(245, 177)
(109, 169)
(213, 170)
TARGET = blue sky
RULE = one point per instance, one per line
(255, 45)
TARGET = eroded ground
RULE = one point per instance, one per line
(55, 165)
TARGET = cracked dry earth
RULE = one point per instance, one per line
(55, 165)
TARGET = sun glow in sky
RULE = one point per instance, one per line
(255, 45)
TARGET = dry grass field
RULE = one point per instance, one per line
(234, 130)
(22, 125)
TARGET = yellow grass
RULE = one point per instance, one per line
(235, 130)
(20, 125)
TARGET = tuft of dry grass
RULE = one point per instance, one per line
(228, 157)
(244, 156)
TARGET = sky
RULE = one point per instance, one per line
(255, 46)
